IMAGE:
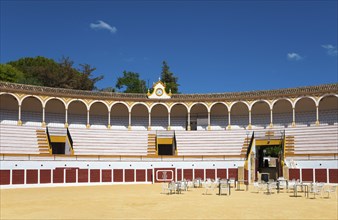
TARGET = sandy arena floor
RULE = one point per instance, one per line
(147, 202)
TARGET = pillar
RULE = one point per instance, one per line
(66, 118)
(149, 121)
(19, 116)
(293, 117)
(271, 118)
(209, 127)
(229, 119)
(109, 126)
(317, 115)
(88, 125)
(249, 126)
(43, 117)
(169, 128)
(189, 128)
(129, 120)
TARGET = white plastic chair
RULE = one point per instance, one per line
(330, 189)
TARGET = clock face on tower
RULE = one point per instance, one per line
(159, 92)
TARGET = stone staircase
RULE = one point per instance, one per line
(43, 145)
(245, 147)
(151, 150)
(289, 145)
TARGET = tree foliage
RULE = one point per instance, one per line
(10, 74)
(46, 72)
(131, 83)
(169, 79)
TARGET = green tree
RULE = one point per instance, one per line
(87, 80)
(131, 83)
(46, 72)
(10, 74)
(169, 79)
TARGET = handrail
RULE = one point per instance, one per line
(283, 147)
(250, 145)
(49, 141)
(70, 139)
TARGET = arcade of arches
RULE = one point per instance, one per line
(32, 110)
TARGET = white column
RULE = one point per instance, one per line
(129, 121)
(25, 177)
(249, 126)
(88, 124)
(317, 115)
(149, 121)
(52, 176)
(43, 117)
(229, 120)
(10, 177)
(66, 117)
(19, 116)
(189, 128)
(169, 122)
(135, 175)
(209, 127)
(293, 117)
(64, 175)
(38, 176)
(271, 118)
(109, 120)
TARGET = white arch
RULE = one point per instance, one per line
(212, 105)
(119, 102)
(158, 103)
(98, 101)
(260, 100)
(302, 97)
(177, 103)
(50, 98)
(11, 94)
(326, 95)
(232, 104)
(196, 103)
(139, 103)
(80, 100)
(276, 100)
(27, 96)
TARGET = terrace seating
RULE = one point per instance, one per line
(119, 123)
(8, 116)
(109, 142)
(218, 122)
(314, 140)
(31, 118)
(328, 117)
(178, 123)
(77, 121)
(159, 123)
(18, 140)
(210, 143)
(55, 120)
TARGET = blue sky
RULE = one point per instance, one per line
(212, 46)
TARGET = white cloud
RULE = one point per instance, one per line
(294, 56)
(101, 25)
(330, 49)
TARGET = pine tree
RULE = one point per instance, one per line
(169, 79)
